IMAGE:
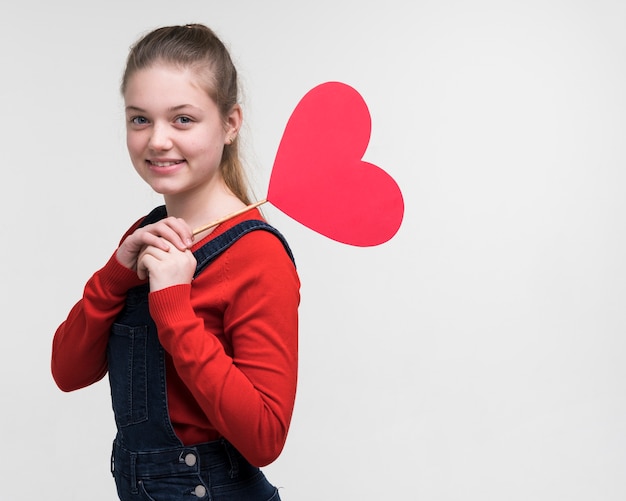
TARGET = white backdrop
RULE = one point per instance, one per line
(478, 355)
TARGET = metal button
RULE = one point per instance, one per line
(200, 491)
(190, 459)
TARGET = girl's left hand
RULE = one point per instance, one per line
(165, 268)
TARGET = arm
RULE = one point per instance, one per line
(79, 347)
(243, 374)
(80, 343)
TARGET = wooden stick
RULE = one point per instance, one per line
(229, 216)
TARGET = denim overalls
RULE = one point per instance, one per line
(149, 462)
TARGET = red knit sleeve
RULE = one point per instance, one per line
(80, 342)
(243, 374)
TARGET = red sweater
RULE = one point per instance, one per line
(231, 342)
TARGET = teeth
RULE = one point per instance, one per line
(163, 164)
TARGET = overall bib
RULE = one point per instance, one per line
(149, 462)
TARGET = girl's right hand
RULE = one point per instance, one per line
(162, 234)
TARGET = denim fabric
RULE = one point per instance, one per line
(149, 462)
(212, 471)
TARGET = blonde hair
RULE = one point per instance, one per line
(197, 47)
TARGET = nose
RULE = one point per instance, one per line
(160, 139)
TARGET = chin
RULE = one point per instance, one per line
(165, 190)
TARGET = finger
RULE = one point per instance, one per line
(175, 230)
(182, 230)
(148, 258)
(156, 241)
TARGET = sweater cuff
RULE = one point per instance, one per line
(172, 304)
(117, 278)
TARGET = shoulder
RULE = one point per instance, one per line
(252, 239)
(257, 273)
(255, 269)
(257, 256)
(251, 250)
(260, 247)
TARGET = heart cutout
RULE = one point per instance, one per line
(319, 178)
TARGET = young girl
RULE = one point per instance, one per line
(198, 335)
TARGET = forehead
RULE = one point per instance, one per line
(165, 82)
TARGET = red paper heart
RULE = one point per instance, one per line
(319, 178)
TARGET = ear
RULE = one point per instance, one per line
(233, 123)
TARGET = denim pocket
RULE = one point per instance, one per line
(173, 488)
(244, 487)
(128, 373)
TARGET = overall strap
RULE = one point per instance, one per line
(155, 215)
(213, 248)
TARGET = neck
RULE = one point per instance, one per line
(201, 207)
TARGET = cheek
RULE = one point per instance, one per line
(205, 149)
(215, 151)
(133, 143)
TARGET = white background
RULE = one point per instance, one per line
(478, 355)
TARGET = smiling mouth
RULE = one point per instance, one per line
(164, 164)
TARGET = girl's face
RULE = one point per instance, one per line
(174, 132)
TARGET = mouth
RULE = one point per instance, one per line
(164, 167)
(167, 163)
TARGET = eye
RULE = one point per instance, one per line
(183, 120)
(138, 120)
